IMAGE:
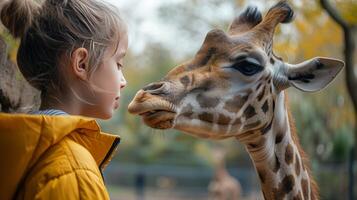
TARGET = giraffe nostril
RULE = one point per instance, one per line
(155, 88)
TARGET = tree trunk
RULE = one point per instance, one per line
(351, 79)
(16, 95)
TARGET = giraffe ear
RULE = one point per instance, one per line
(313, 75)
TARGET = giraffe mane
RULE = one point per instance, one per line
(250, 17)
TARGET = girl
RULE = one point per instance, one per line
(72, 51)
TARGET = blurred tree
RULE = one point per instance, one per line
(16, 95)
(347, 20)
(348, 24)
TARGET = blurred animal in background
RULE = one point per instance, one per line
(223, 186)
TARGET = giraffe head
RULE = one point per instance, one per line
(230, 86)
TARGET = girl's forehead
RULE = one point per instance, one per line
(123, 43)
(124, 40)
(120, 47)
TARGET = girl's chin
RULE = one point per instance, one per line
(106, 116)
(107, 113)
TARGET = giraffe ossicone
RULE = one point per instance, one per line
(235, 87)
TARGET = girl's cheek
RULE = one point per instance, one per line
(116, 81)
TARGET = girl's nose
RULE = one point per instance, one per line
(123, 83)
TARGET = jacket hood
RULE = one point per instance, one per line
(24, 138)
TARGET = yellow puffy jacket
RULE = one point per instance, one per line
(53, 157)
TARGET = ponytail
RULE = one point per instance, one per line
(18, 15)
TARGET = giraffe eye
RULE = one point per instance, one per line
(247, 68)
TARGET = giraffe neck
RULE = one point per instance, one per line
(279, 160)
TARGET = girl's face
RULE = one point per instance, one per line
(107, 82)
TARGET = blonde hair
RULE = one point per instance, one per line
(53, 29)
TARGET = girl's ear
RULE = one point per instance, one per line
(79, 63)
(311, 75)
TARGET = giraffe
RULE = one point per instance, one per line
(223, 186)
(235, 86)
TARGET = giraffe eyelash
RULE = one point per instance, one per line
(247, 66)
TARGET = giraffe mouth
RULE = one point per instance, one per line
(155, 112)
(159, 119)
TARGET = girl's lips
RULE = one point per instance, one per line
(116, 103)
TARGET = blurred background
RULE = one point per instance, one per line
(152, 164)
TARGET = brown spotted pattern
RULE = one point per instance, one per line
(233, 105)
(207, 102)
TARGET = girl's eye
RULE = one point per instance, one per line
(247, 68)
